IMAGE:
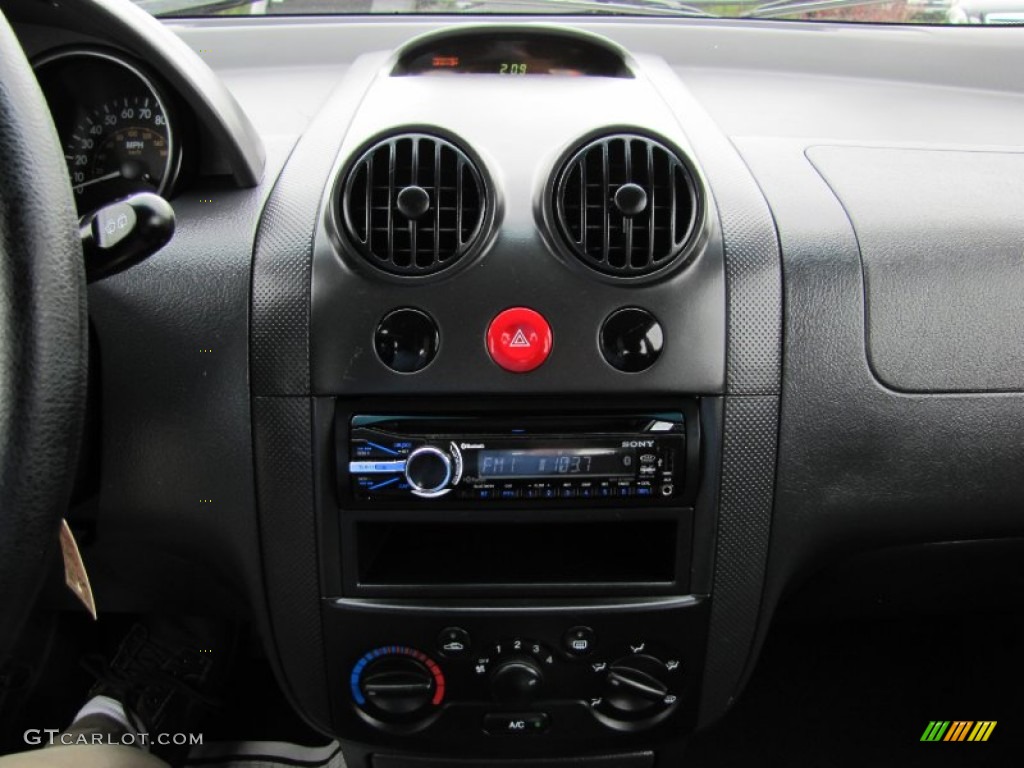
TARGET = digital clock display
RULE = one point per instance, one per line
(511, 54)
(512, 68)
(524, 464)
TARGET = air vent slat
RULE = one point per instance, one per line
(583, 206)
(438, 207)
(626, 205)
(675, 206)
(459, 202)
(414, 204)
(605, 207)
(392, 160)
(652, 205)
(369, 204)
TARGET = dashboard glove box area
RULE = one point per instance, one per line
(939, 234)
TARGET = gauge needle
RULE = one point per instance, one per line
(97, 180)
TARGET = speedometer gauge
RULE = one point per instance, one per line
(113, 125)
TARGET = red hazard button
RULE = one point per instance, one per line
(519, 339)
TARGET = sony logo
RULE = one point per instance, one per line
(471, 446)
(637, 443)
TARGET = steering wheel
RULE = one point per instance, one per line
(43, 338)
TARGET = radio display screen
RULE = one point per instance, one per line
(527, 463)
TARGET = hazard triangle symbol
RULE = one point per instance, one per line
(519, 340)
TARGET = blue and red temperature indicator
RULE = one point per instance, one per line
(396, 650)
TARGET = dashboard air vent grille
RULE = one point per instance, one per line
(626, 205)
(414, 204)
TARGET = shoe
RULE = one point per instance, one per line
(168, 674)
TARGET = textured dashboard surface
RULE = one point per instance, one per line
(177, 518)
(753, 379)
(282, 444)
(940, 236)
(282, 262)
(862, 466)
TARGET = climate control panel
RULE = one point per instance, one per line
(632, 687)
(558, 680)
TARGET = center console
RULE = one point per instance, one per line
(540, 465)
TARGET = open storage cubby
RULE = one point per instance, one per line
(467, 555)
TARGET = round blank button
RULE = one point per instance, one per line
(631, 339)
(406, 340)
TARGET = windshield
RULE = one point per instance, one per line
(991, 12)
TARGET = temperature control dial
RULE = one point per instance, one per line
(396, 683)
(428, 470)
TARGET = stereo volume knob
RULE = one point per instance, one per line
(428, 470)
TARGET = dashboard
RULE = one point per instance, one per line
(528, 366)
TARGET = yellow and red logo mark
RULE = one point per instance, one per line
(958, 730)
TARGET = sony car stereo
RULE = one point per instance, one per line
(627, 458)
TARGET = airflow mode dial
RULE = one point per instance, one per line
(626, 205)
(414, 204)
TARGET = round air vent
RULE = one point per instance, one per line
(626, 205)
(414, 204)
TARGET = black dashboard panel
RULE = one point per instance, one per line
(521, 262)
(862, 466)
(826, 153)
(940, 237)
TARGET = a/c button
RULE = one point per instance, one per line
(516, 724)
